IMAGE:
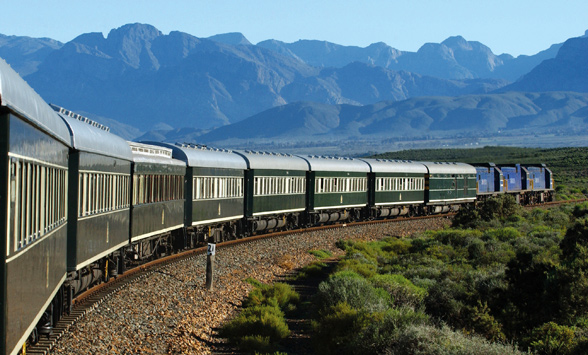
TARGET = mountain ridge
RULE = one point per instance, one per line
(180, 85)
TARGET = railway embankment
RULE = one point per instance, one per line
(170, 311)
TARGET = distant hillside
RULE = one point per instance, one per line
(568, 71)
(416, 117)
(141, 77)
(25, 54)
(177, 86)
(454, 58)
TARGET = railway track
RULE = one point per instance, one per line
(90, 300)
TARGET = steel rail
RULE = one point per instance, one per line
(89, 300)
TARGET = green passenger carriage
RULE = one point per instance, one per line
(34, 144)
(275, 186)
(98, 214)
(214, 191)
(157, 208)
(396, 187)
(337, 188)
(448, 185)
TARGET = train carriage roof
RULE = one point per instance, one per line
(449, 168)
(203, 156)
(394, 166)
(269, 160)
(19, 97)
(92, 137)
(153, 154)
(329, 163)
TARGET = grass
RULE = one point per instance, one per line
(321, 254)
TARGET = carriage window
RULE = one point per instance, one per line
(206, 187)
(278, 185)
(344, 184)
(36, 200)
(106, 192)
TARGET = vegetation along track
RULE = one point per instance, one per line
(89, 301)
(89, 336)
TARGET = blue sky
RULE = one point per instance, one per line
(506, 26)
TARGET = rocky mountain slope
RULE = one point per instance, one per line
(141, 77)
(568, 71)
(454, 58)
(180, 87)
(416, 117)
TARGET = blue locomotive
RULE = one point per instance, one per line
(80, 204)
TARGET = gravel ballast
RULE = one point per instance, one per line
(171, 312)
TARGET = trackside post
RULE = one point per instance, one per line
(210, 253)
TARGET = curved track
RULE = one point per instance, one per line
(88, 301)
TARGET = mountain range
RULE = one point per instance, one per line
(178, 86)
(416, 117)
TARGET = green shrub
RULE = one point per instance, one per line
(261, 324)
(383, 329)
(581, 210)
(339, 326)
(280, 294)
(403, 292)
(321, 254)
(426, 339)
(551, 338)
(501, 208)
(344, 329)
(484, 323)
(396, 246)
(253, 282)
(476, 250)
(455, 237)
(506, 234)
(466, 218)
(263, 321)
(446, 300)
(349, 287)
(256, 344)
(359, 266)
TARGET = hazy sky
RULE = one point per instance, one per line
(506, 26)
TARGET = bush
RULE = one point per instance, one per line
(483, 323)
(403, 292)
(384, 329)
(261, 324)
(501, 208)
(347, 330)
(358, 265)
(256, 344)
(280, 294)
(551, 338)
(338, 327)
(426, 339)
(396, 246)
(349, 287)
(263, 321)
(581, 210)
(455, 237)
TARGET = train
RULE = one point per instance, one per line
(81, 205)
